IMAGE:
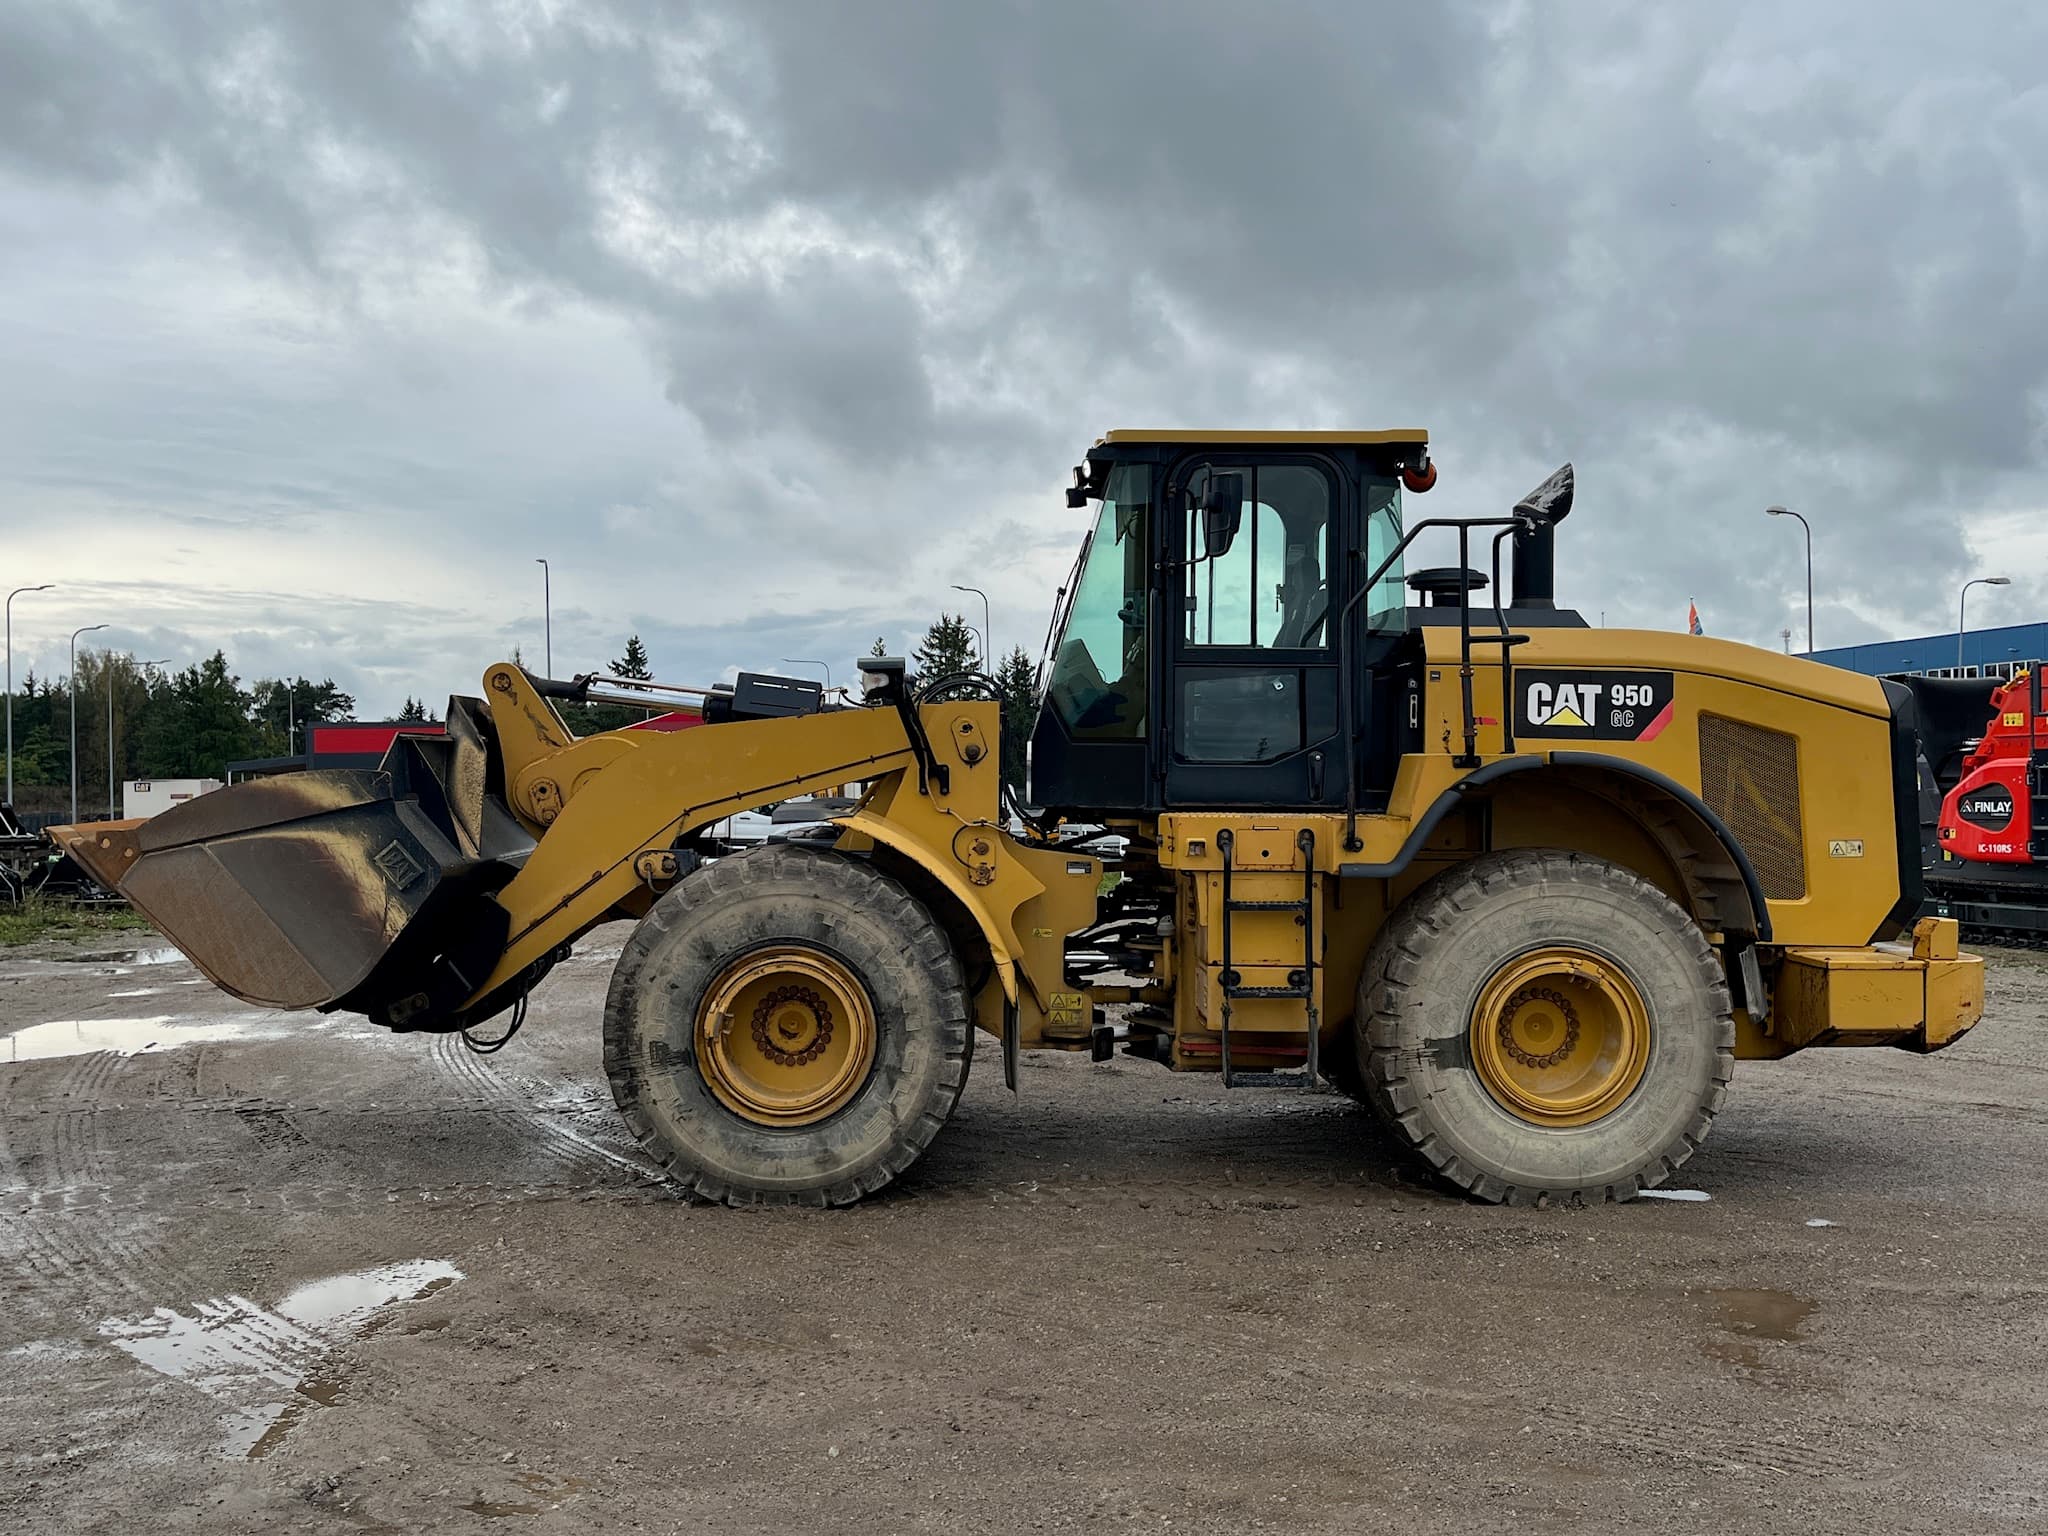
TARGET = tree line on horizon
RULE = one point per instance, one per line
(185, 723)
(192, 722)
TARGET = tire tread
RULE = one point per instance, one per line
(847, 882)
(1398, 957)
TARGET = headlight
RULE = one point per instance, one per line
(879, 674)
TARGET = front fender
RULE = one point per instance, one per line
(1013, 885)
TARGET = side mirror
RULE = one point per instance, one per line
(1549, 502)
(1222, 513)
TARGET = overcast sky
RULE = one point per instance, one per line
(767, 322)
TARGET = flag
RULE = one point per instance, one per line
(1692, 618)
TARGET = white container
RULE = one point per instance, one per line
(152, 797)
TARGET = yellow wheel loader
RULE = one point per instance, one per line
(1526, 888)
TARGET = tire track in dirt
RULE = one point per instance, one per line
(49, 1252)
(61, 1216)
(526, 1101)
(131, 1253)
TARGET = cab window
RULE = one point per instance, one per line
(1269, 586)
(1098, 680)
(1389, 597)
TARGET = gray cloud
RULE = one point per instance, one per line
(778, 319)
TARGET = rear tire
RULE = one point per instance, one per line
(787, 1027)
(1538, 1023)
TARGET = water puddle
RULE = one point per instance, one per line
(158, 1032)
(1696, 1195)
(268, 1367)
(161, 955)
(549, 1493)
(1763, 1314)
(1754, 1317)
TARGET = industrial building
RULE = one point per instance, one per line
(345, 744)
(1985, 653)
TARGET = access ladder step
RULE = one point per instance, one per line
(1230, 991)
(1296, 905)
(1273, 1080)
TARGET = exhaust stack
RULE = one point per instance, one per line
(1535, 556)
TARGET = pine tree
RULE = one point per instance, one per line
(200, 721)
(413, 712)
(634, 662)
(220, 725)
(881, 647)
(1018, 679)
(283, 709)
(947, 648)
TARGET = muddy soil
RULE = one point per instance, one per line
(285, 1273)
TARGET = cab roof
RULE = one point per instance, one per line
(1393, 437)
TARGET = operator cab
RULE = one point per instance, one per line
(1201, 652)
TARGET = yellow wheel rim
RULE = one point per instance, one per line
(785, 1036)
(1560, 1037)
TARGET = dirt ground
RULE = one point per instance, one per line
(282, 1273)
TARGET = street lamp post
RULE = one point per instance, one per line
(111, 782)
(547, 615)
(1788, 512)
(10, 682)
(1963, 604)
(987, 659)
(71, 687)
(804, 661)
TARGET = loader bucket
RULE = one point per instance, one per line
(336, 889)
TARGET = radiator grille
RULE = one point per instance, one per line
(1750, 776)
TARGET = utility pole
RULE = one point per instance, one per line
(804, 661)
(1786, 636)
(1963, 603)
(71, 687)
(1788, 512)
(9, 617)
(987, 646)
(547, 615)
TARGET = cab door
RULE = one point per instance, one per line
(1251, 716)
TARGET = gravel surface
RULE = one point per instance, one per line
(282, 1273)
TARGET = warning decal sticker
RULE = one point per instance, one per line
(1578, 704)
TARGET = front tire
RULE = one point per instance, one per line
(787, 1027)
(1538, 1023)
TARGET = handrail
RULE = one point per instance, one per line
(1345, 658)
